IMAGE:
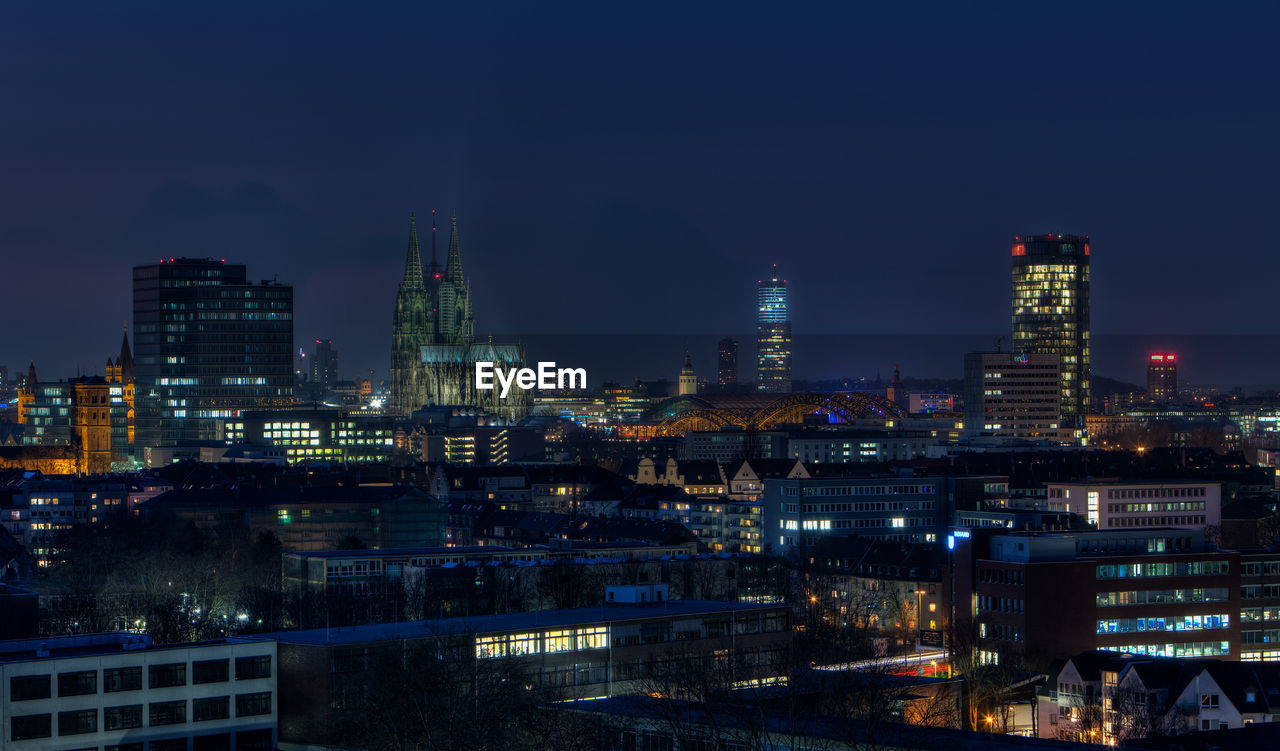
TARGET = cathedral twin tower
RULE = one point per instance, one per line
(433, 337)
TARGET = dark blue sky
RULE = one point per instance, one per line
(634, 169)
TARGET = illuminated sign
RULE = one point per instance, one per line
(1020, 358)
(1019, 250)
(547, 376)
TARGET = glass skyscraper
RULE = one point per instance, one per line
(207, 343)
(1051, 312)
(773, 335)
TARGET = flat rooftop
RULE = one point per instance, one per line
(512, 622)
(85, 645)
(397, 552)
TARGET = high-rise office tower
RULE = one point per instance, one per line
(773, 335)
(1013, 396)
(207, 342)
(1162, 376)
(1051, 312)
(727, 367)
(324, 364)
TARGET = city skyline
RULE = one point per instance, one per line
(599, 376)
(762, 165)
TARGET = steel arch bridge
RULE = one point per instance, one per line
(792, 408)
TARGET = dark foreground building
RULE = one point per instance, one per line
(626, 647)
(121, 692)
(315, 518)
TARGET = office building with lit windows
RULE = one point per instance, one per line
(121, 692)
(1134, 505)
(773, 335)
(207, 342)
(1260, 604)
(799, 512)
(1014, 396)
(727, 362)
(1051, 312)
(324, 364)
(307, 434)
(1032, 597)
(1162, 376)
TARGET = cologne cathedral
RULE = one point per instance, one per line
(433, 338)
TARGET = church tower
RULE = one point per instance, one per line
(457, 319)
(411, 329)
(434, 348)
(688, 379)
(895, 392)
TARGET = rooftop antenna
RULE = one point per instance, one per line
(998, 340)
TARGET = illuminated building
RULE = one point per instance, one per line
(1051, 313)
(324, 364)
(123, 415)
(799, 512)
(925, 404)
(484, 444)
(1128, 505)
(1033, 597)
(727, 362)
(44, 411)
(329, 434)
(1013, 396)
(55, 505)
(433, 338)
(90, 423)
(1162, 376)
(207, 342)
(76, 414)
(773, 335)
(688, 379)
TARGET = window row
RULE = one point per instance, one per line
(1167, 623)
(158, 714)
(85, 682)
(1180, 568)
(1163, 596)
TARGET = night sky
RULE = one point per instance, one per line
(636, 169)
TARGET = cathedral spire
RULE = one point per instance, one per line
(453, 265)
(434, 269)
(413, 258)
(125, 363)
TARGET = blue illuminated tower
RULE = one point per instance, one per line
(773, 335)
